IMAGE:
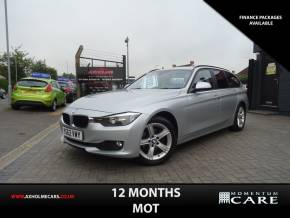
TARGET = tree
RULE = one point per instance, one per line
(40, 66)
(53, 72)
(25, 65)
(19, 61)
(69, 75)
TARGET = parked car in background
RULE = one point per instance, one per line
(33, 91)
(70, 90)
(2, 93)
(160, 110)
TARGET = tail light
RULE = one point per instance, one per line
(48, 88)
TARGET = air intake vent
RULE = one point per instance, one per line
(80, 121)
(66, 118)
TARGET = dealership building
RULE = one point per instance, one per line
(268, 84)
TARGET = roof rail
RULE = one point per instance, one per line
(153, 70)
(205, 65)
(191, 64)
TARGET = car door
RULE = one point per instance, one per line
(62, 94)
(227, 94)
(203, 107)
(57, 92)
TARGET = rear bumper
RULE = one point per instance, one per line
(32, 101)
(29, 103)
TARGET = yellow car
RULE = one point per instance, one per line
(32, 91)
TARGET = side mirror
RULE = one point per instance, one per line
(202, 86)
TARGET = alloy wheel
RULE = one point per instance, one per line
(156, 141)
(54, 105)
(64, 102)
(241, 117)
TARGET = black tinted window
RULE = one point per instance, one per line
(221, 79)
(232, 80)
(63, 84)
(31, 83)
(203, 75)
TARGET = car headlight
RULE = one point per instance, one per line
(121, 119)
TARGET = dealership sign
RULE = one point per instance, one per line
(91, 80)
(100, 74)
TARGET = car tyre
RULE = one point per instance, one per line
(69, 98)
(64, 102)
(155, 141)
(53, 106)
(240, 119)
(15, 107)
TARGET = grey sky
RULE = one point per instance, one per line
(161, 32)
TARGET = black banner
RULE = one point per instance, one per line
(147, 199)
(266, 23)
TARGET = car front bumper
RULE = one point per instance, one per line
(96, 133)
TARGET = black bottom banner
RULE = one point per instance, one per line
(145, 198)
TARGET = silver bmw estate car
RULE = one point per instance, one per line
(159, 111)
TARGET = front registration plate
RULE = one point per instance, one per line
(72, 133)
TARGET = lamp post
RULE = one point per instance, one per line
(8, 53)
(15, 58)
(127, 43)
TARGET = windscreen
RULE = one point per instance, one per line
(165, 79)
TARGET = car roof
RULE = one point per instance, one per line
(192, 67)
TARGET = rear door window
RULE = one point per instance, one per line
(32, 83)
(221, 79)
(233, 81)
